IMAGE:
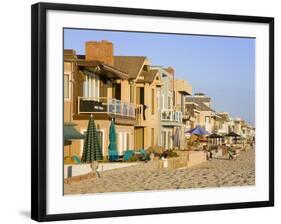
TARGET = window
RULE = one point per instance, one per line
(207, 119)
(170, 144)
(66, 86)
(158, 99)
(123, 142)
(152, 101)
(91, 86)
(164, 139)
(116, 91)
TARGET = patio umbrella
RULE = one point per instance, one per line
(198, 130)
(70, 133)
(92, 148)
(233, 134)
(112, 149)
(177, 138)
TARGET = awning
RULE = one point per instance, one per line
(70, 133)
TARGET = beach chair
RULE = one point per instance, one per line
(145, 154)
(128, 154)
(76, 159)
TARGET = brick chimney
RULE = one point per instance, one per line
(99, 51)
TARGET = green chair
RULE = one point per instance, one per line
(144, 154)
(128, 154)
(76, 159)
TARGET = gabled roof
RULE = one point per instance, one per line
(132, 65)
(148, 76)
(223, 115)
(198, 99)
(192, 107)
(200, 102)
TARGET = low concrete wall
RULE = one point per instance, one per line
(81, 169)
(177, 162)
(185, 159)
(196, 157)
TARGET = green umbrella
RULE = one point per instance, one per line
(112, 149)
(92, 148)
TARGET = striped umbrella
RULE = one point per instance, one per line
(92, 148)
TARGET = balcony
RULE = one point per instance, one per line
(105, 105)
(169, 115)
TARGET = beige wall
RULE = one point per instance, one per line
(202, 115)
(181, 86)
(152, 119)
(68, 70)
(125, 91)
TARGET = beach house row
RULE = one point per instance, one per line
(148, 105)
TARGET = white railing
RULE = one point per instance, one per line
(171, 115)
(105, 105)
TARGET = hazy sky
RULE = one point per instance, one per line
(221, 67)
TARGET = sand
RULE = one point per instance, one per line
(215, 173)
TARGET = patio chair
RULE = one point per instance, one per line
(76, 159)
(144, 153)
(128, 154)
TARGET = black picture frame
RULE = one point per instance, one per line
(38, 108)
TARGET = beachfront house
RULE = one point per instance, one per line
(206, 115)
(98, 87)
(182, 89)
(222, 123)
(145, 85)
(170, 126)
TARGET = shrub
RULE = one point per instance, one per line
(133, 159)
(172, 154)
(157, 150)
(169, 154)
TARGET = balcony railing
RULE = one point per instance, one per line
(105, 105)
(171, 115)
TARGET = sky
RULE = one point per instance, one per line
(221, 67)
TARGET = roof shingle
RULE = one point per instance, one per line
(129, 64)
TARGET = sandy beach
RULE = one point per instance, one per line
(215, 173)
